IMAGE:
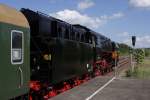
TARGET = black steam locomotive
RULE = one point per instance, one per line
(58, 52)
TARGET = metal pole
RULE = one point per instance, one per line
(132, 61)
(115, 67)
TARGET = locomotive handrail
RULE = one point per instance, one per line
(21, 77)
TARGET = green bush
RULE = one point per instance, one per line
(128, 73)
(139, 55)
(147, 52)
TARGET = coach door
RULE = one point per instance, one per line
(17, 53)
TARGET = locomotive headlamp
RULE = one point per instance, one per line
(87, 65)
(47, 57)
(114, 55)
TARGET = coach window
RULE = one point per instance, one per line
(17, 42)
(88, 37)
(73, 35)
(66, 34)
(44, 26)
(82, 38)
(95, 40)
(99, 41)
(77, 36)
(59, 32)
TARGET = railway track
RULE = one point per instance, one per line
(124, 62)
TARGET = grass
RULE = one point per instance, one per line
(140, 71)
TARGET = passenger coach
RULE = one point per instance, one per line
(14, 53)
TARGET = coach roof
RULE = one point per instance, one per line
(12, 16)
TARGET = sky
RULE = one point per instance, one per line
(117, 19)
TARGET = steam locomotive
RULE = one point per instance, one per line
(39, 49)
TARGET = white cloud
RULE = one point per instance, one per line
(85, 4)
(113, 16)
(141, 41)
(117, 15)
(123, 34)
(140, 3)
(75, 17)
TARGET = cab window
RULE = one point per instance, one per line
(16, 47)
